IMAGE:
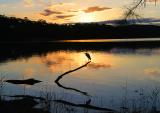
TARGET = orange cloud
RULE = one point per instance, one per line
(95, 8)
(62, 6)
(59, 11)
(74, 11)
(48, 12)
(28, 3)
(64, 16)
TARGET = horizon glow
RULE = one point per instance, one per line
(69, 11)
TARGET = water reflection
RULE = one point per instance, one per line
(70, 71)
(153, 73)
(99, 65)
(112, 40)
(103, 77)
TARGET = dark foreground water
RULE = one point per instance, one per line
(115, 77)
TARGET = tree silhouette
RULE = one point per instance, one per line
(22, 30)
(131, 11)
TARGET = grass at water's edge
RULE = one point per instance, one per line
(49, 101)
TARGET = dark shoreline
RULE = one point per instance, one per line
(12, 51)
(78, 32)
(16, 29)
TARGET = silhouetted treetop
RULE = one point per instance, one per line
(17, 29)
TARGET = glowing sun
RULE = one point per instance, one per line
(86, 17)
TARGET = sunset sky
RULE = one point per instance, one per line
(67, 11)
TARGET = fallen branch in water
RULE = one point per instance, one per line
(86, 106)
(70, 71)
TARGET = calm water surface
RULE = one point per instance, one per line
(111, 75)
(113, 40)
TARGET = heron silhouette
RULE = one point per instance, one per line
(88, 56)
(88, 102)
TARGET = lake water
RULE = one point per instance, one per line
(113, 40)
(112, 78)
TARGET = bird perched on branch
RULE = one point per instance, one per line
(88, 56)
(88, 102)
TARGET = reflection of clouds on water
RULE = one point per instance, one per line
(57, 61)
(55, 58)
(102, 77)
(28, 72)
(153, 72)
(64, 60)
(50, 62)
(135, 51)
(98, 65)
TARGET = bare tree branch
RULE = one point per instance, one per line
(131, 11)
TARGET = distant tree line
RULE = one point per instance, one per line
(17, 29)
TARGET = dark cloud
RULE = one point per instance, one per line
(64, 16)
(98, 65)
(48, 12)
(95, 8)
